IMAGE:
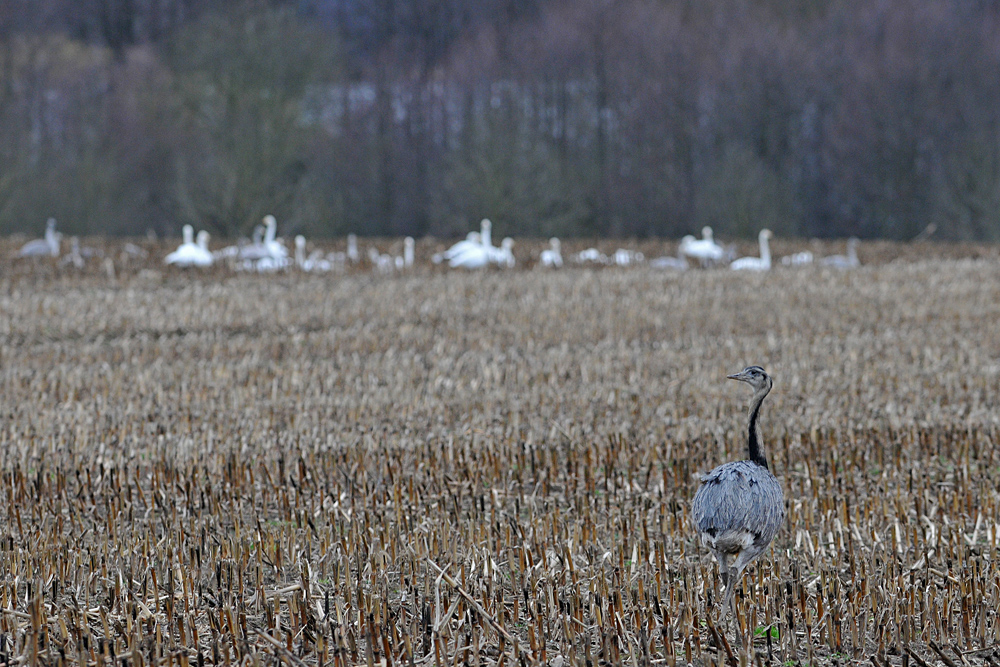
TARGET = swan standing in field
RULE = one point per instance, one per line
(133, 250)
(300, 251)
(317, 262)
(275, 248)
(256, 248)
(797, 259)
(408, 247)
(405, 260)
(472, 257)
(504, 255)
(382, 263)
(667, 262)
(552, 257)
(849, 261)
(75, 257)
(352, 249)
(591, 256)
(190, 253)
(477, 257)
(473, 240)
(762, 263)
(626, 257)
(244, 248)
(338, 259)
(705, 250)
(486, 232)
(48, 246)
(314, 262)
(267, 256)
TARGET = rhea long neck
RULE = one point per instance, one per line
(754, 440)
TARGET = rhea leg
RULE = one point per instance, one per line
(731, 577)
(724, 570)
(734, 578)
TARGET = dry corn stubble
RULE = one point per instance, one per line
(200, 467)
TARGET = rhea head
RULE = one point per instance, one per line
(755, 376)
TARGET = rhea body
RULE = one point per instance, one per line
(739, 506)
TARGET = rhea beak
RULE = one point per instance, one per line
(737, 376)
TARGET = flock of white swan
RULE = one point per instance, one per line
(266, 253)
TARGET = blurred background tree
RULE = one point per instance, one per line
(240, 79)
(573, 117)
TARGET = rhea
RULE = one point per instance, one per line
(739, 506)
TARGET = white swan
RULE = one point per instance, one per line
(337, 259)
(408, 246)
(705, 250)
(591, 255)
(300, 251)
(472, 241)
(477, 257)
(74, 257)
(78, 254)
(352, 249)
(275, 248)
(504, 255)
(626, 257)
(44, 246)
(133, 250)
(314, 262)
(486, 232)
(388, 263)
(677, 263)
(472, 257)
(797, 259)
(849, 261)
(552, 257)
(382, 263)
(190, 253)
(317, 262)
(244, 248)
(762, 263)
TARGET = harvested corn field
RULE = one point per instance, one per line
(442, 468)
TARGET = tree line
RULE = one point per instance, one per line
(577, 117)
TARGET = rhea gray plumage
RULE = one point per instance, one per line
(739, 506)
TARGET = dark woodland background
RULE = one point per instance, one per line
(577, 117)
